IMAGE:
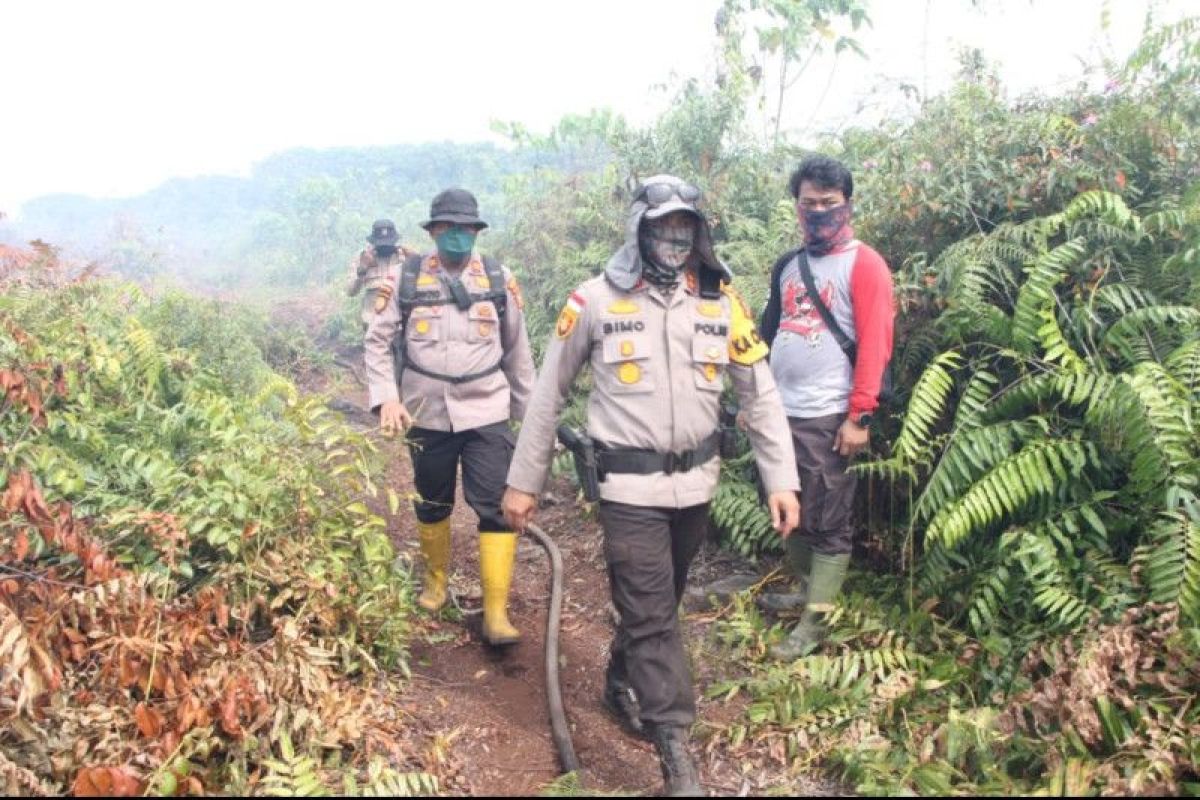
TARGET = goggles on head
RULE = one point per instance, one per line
(655, 194)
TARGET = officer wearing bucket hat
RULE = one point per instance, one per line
(448, 361)
(661, 328)
(370, 268)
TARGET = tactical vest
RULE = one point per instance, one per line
(410, 297)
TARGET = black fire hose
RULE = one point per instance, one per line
(558, 717)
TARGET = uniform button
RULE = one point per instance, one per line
(712, 353)
(710, 372)
(629, 372)
(485, 329)
(627, 348)
(422, 326)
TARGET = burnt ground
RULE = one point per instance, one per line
(480, 714)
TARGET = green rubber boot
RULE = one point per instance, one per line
(799, 563)
(824, 584)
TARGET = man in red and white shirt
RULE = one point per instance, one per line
(828, 356)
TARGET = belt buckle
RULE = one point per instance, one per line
(678, 462)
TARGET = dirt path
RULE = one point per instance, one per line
(480, 714)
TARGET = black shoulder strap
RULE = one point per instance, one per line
(844, 341)
(408, 286)
(780, 266)
(496, 289)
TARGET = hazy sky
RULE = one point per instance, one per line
(111, 98)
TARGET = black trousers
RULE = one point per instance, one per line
(485, 454)
(648, 551)
(826, 485)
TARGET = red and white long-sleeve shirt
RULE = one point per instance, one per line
(814, 375)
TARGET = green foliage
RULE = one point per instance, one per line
(1046, 453)
(194, 458)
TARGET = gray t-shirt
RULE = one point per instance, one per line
(813, 373)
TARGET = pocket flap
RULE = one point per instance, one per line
(625, 347)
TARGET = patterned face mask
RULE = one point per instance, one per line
(669, 244)
(825, 231)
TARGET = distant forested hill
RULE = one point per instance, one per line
(298, 216)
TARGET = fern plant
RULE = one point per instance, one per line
(1058, 465)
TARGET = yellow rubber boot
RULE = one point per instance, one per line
(435, 549)
(496, 554)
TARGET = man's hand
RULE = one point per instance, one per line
(366, 260)
(518, 508)
(394, 418)
(851, 439)
(785, 512)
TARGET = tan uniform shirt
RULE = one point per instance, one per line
(450, 341)
(658, 366)
(368, 272)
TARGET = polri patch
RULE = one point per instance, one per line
(569, 316)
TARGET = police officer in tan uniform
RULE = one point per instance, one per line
(370, 268)
(465, 369)
(661, 329)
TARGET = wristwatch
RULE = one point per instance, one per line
(864, 419)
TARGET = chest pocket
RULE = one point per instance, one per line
(424, 325)
(710, 356)
(626, 367)
(710, 344)
(483, 324)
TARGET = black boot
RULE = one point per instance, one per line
(620, 701)
(680, 775)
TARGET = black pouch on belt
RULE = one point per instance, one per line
(583, 450)
(728, 430)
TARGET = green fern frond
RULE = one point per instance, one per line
(1169, 562)
(926, 406)
(292, 775)
(737, 512)
(974, 400)
(968, 456)
(1133, 336)
(1037, 293)
(1106, 206)
(384, 781)
(1183, 364)
(1146, 422)
(147, 359)
(1055, 347)
(1010, 488)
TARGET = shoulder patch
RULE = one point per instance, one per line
(746, 347)
(515, 291)
(382, 295)
(569, 316)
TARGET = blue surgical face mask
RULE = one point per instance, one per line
(456, 243)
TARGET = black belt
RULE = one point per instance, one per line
(645, 462)
(455, 379)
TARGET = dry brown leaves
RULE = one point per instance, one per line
(1124, 663)
(102, 680)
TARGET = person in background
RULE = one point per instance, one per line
(828, 322)
(448, 362)
(369, 269)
